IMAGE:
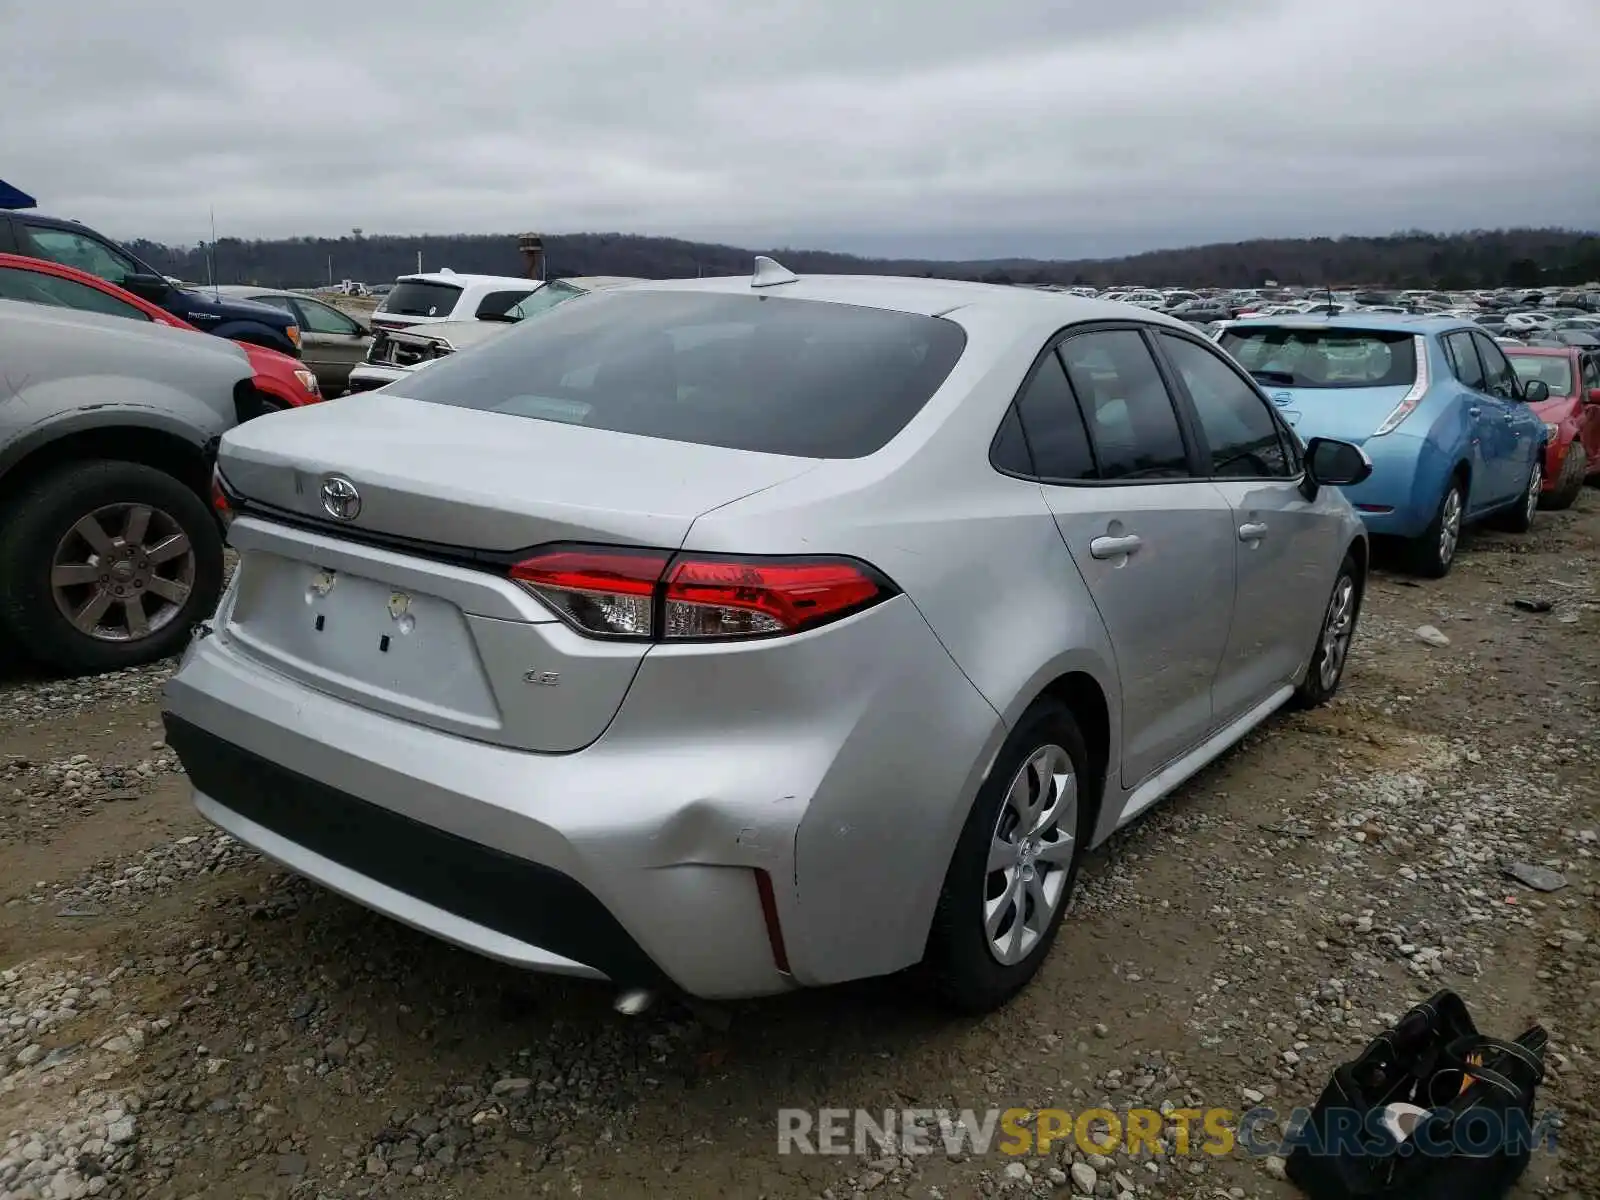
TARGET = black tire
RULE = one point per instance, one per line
(1519, 517)
(1574, 467)
(47, 510)
(1427, 555)
(1314, 690)
(966, 976)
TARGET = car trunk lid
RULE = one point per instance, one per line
(1349, 414)
(405, 606)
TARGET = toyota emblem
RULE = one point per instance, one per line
(340, 499)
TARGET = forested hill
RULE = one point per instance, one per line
(1521, 257)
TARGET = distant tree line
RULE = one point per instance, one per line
(1481, 258)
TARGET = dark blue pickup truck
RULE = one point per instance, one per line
(79, 246)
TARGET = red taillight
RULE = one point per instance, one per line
(598, 591)
(717, 598)
(220, 503)
(653, 595)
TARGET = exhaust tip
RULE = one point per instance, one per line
(634, 1001)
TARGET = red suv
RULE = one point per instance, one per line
(1571, 415)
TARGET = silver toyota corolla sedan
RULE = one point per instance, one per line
(737, 635)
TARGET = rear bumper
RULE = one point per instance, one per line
(1403, 492)
(504, 907)
(839, 763)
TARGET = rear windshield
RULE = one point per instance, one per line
(416, 298)
(1556, 372)
(763, 373)
(1324, 358)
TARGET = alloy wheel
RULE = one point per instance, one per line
(1030, 854)
(122, 586)
(1450, 525)
(1535, 486)
(1337, 630)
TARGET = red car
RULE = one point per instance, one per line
(1571, 415)
(282, 379)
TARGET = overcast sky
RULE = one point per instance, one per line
(927, 127)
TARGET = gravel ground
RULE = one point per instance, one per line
(180, 1019)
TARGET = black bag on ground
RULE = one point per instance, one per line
(1476, 1138)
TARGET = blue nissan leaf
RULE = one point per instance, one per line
(1432, 400)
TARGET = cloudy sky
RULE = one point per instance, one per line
(927, 127)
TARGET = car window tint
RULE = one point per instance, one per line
(421, 298)
(495, 304)
(281, 302)
(39, 288)
(1464, 359)
(1053, 425)
(1498, 377)
(1242, 435)
(72, 249)
(319, 318)
(1591, 372)
(1010, 450)
(747, 371)
(1132, 425)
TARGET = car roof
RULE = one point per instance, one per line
(1378, 322)
(927, 297)
(457, 279)
(1544, 351)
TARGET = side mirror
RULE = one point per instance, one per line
(151, 287)
(1336, 464)
(1594, 395)
(1535, 391)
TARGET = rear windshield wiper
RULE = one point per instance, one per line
(1281, 378)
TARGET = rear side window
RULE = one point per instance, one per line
(1050, 418)
(762, 373)
(495, 304)
(1132, 425)
(1310, 357)
(1464, 359)
(419, 298)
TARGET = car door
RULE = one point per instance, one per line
(1486, 432)
(1285, 546)
(1589, 412)
(333, 343)
(1519, 434)
(1151, 539)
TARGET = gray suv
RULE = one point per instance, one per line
(109, 549)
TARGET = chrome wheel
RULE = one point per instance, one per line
(1535, 486)
(1450, 525)
(1337, 630)
(1030, 854)
(125, 585)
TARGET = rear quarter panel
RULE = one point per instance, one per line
(61, 372)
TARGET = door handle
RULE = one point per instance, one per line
(1474, 411)
(1252, 531)
(1115, 547)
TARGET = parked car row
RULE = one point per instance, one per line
(521, 647)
